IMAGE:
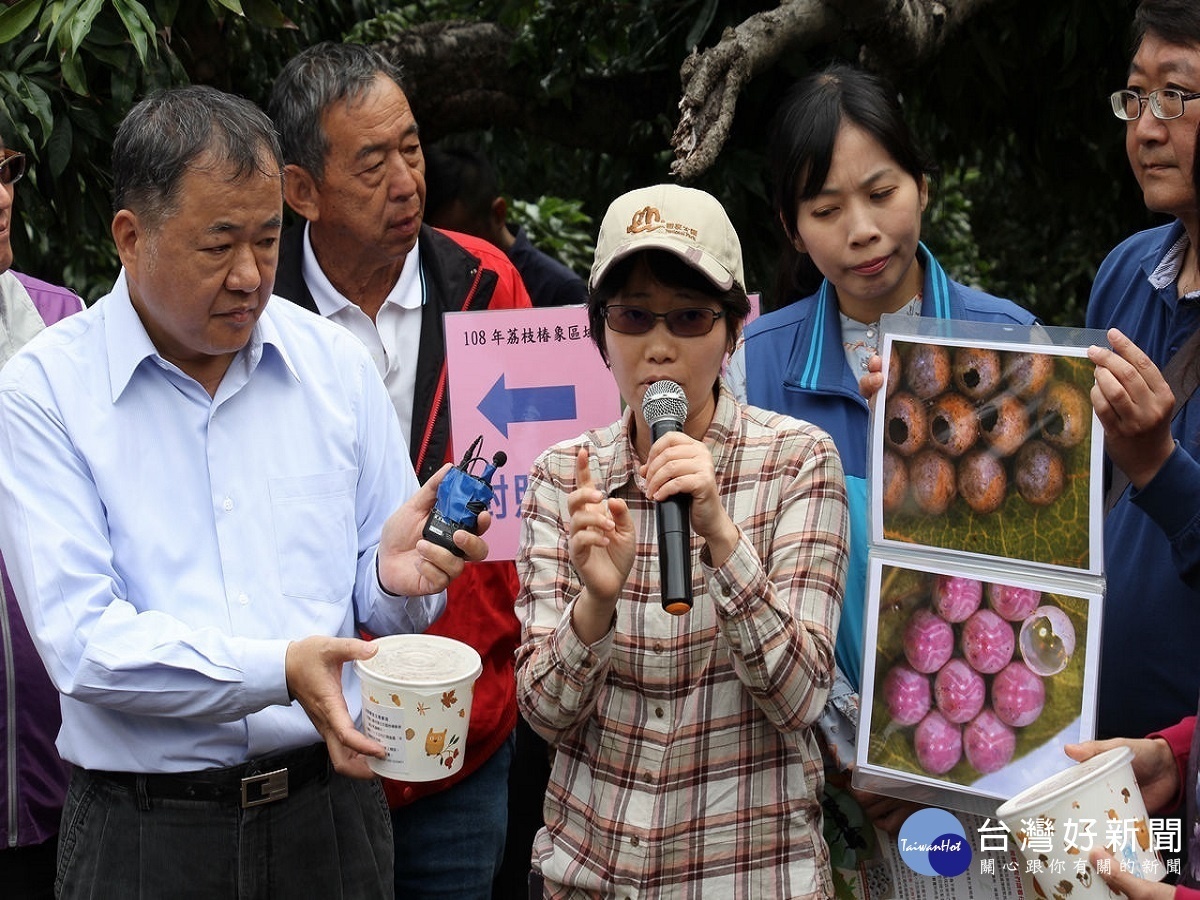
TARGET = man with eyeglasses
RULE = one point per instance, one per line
(1147, 292)
(33, 779)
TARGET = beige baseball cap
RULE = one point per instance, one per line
(686, 222)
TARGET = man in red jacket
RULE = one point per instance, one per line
(364, 258)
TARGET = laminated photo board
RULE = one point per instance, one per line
(985, 564)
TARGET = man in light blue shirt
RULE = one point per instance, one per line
(200, 503)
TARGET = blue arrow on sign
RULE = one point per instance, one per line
(502, 406)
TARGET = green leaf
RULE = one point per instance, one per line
(139, 25)
(166, 10)
(119, 57)
(81, 24)
(21, 63)
(264, 12)
(87, 121)
(60, 14)
(18, 17)
(8, 119)
(58, 148)
(233, 6)
(41, 106)
(36, 102)
(50, 15)
(700, 26)
(73, 74)
(124, 86)
(557, 226)
(107, 31)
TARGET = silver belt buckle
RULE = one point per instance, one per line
(268, 787)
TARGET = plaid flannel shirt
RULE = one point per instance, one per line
(685, 763)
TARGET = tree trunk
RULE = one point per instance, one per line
(895, 34)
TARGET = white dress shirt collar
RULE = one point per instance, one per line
(129, 343)
(407, 292)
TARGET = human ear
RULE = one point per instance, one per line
(497, 225)
(500, 211)
(923, 188)
(301, 192)
(129, 235)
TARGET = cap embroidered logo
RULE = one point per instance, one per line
(650, 219)
(647, 219)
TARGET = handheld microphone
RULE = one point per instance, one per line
(665, 408)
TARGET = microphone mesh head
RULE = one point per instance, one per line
(664, 400)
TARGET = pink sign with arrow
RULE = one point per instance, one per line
(524, 379)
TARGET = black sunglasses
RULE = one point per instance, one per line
(12, 166)
(688, 321)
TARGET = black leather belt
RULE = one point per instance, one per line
(254, 783)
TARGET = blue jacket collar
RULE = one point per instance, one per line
(820, 361)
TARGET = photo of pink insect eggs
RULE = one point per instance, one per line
(972, 674)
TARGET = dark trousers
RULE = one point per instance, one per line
(527, 781)
(27, 873)
(449, 843)
(330, 838)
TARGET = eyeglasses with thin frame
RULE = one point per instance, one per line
(12, 166)
(687, 321)
(1165, 103)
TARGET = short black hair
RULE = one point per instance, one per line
(314, 80)
(170, 129)
(1174, 21)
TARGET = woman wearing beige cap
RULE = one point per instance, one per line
(685, 764)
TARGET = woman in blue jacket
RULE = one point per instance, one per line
(849, 186)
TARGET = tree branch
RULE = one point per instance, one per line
(712, 80)
(459, 76)
(901, 34)
(894, 33)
